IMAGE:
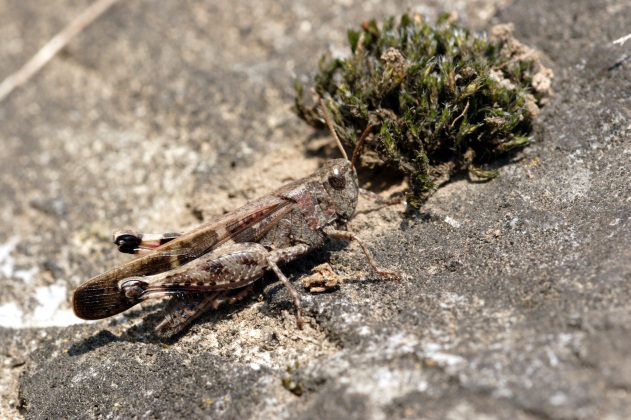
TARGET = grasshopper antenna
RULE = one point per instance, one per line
(361, 141)
(329, 123)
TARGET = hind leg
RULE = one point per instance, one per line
(132, 242)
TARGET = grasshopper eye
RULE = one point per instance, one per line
(337, 180)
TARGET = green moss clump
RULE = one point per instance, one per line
(440, 99)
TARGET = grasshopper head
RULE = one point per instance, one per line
(340, 180)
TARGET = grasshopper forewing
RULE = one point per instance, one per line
(217, 262)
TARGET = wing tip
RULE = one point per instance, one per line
(97, 300)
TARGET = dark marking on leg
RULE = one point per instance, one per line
(127, 241)
(214, 267)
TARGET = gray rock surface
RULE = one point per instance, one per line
(515, 301)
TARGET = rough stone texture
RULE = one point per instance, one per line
(515, 302)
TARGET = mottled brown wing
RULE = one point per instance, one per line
(101, 296)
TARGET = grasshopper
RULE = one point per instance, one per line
(217, 262)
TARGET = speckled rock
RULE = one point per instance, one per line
(515, 297)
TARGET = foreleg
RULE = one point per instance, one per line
(379, 199)
(350, 236)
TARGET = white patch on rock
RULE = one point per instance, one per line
(47, 312)
(7, 263)
(452, 222)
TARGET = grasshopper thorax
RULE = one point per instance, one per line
(339, 178)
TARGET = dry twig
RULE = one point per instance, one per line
(622, 40)
(53, 46)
